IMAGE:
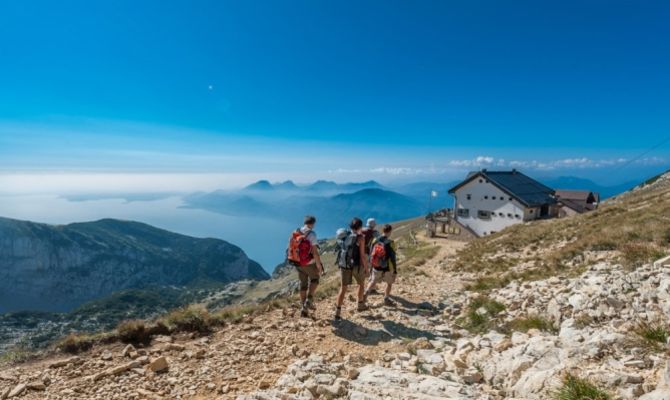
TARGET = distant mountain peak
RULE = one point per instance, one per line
(260, 185)
(288, 184)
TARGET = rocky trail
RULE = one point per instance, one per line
(439, 341)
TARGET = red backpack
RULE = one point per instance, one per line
(378, 256)
(299, 249)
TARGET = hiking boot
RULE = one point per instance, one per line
(362, 306)
(373, 291)
(388, 302)
(304, 313)
(338, 317)
(309, 304)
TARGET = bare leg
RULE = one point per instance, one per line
(361, 292)
(341, 294)
(312, 289)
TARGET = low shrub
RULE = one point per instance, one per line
(133, 331)
(531, 322)
(652, 334)
(574, 388)
(193, 318)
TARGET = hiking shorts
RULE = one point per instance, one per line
(383, 276)
(348, 276)
(306, 274)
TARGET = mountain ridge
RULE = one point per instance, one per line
(57, 267)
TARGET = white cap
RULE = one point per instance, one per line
(371, 223)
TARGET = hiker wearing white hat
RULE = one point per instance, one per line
(370, 233)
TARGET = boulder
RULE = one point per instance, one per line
(662, 393)
(159, 364)
(17, 391)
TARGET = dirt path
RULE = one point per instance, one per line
(241, 358)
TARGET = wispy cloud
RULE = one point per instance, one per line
(550, 165)
(577, 163)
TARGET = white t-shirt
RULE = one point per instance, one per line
(311, 236)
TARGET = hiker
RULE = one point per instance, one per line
(353, 265)
(384, 263)
(303, 253)
(370, 234)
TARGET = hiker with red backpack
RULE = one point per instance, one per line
(370, 233)
(303, 253)
(384, 263)
(353, 263)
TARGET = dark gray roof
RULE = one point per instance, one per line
(526, 190)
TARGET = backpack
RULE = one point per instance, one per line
(299, 252)
(348, 254)
(380, 254)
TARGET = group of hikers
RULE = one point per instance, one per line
(364, 254)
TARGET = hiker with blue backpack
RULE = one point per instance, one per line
(303, 253)
(353, 264)
(384, 263)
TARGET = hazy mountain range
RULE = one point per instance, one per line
(333, 204)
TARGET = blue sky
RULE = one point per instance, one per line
(340, 90)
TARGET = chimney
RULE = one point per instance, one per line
(514, 171)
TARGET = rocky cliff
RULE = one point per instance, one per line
(55, 268)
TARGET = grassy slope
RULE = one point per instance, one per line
(632, 229)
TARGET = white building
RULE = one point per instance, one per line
(487, 202)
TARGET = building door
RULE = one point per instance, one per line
(544, 211)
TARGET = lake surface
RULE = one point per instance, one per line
(263, 240)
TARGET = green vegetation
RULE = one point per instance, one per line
(531, 322)
(653, 335)
(16, 355)
(193, 318)
(574, 388)
(235, 313)
(77, 342)
(133, 331)
(481, 315)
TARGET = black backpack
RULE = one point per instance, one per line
(348, 253)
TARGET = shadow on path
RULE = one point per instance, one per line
(390, 330)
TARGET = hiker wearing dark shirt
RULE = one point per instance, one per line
(384, 263)
(354, 266)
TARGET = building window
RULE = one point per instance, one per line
(484, 214)
(502, 215)
(532, 211)
(486, 197)
(510, 199)
(480, 181)
(464, 212)
(493, 198)
(517, 216)
(509, 215)
(468, 196)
